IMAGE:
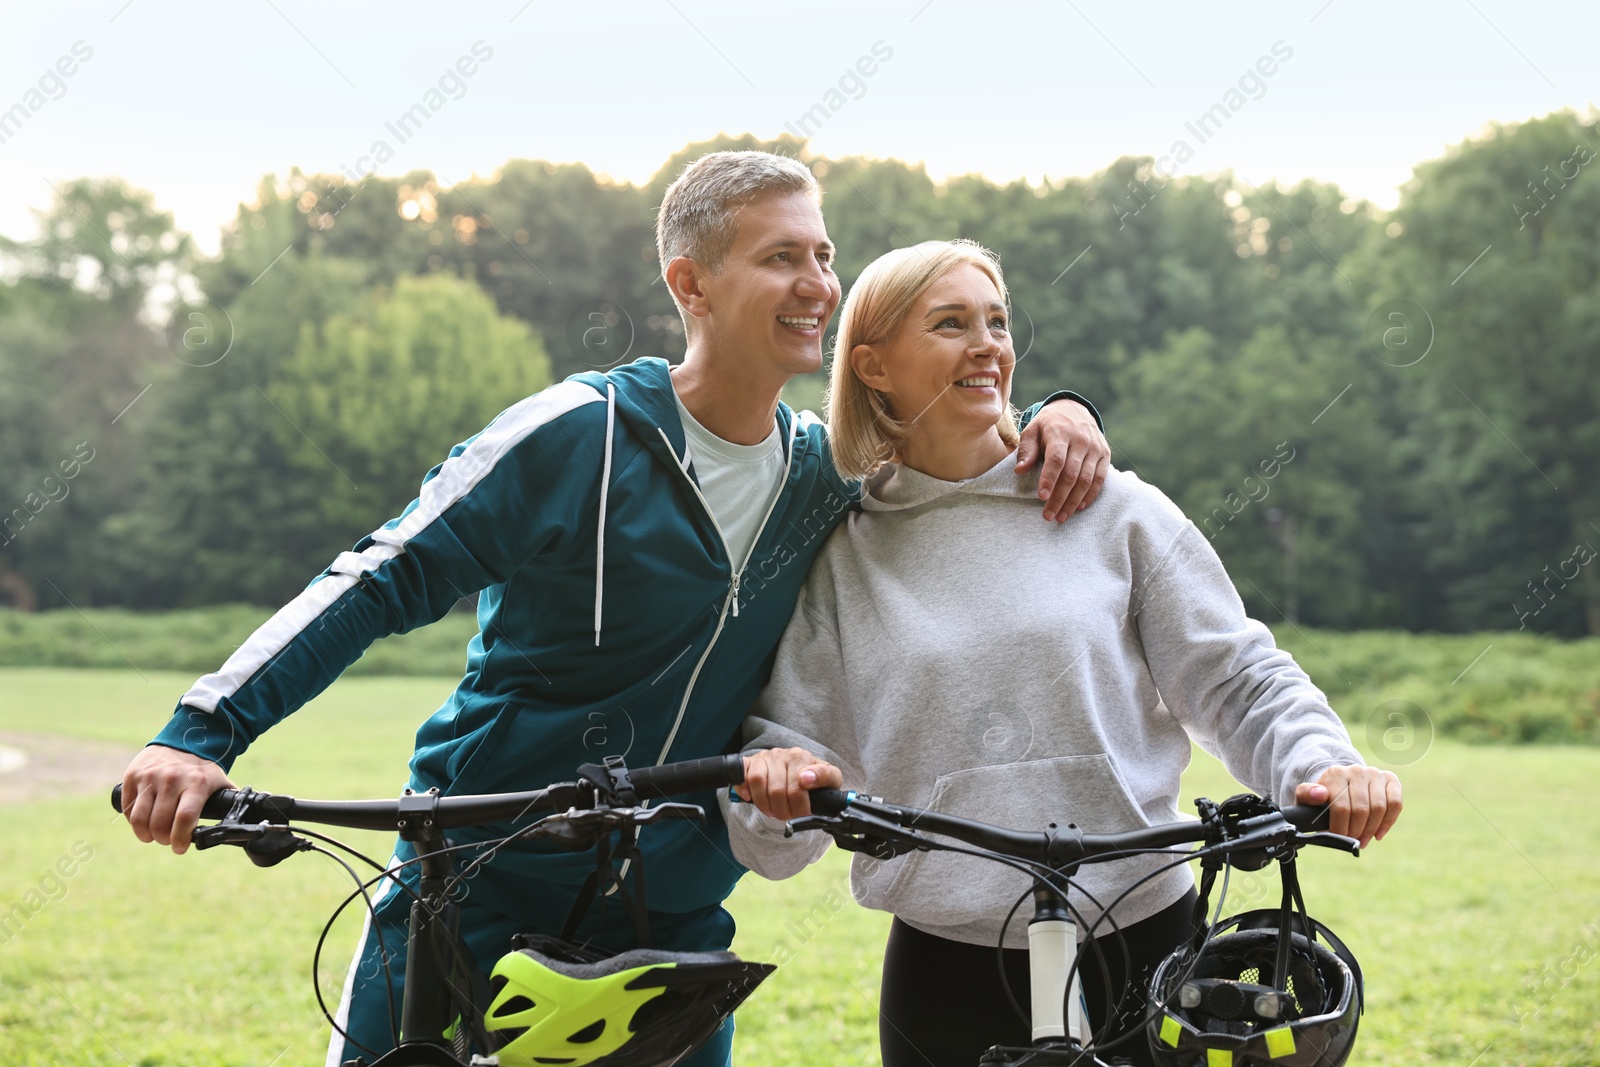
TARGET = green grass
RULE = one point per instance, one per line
(1524, 689)
(1472, 913)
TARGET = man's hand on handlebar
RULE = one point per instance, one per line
(1363, 802)
(779, 781)
(163, 790)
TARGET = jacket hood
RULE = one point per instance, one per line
(900, 488)
(642, 395)
(644, 399)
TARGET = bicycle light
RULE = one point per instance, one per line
(1269, 1006)
(1224, 999)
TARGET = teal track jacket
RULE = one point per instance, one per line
(611, 619)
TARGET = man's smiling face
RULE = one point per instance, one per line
(776, 291)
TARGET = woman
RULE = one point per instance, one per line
(951, 651)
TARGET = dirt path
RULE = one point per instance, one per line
(36, 766)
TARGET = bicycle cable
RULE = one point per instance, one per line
(496, 844)
(1106, 914)
(1150, 1014)
(383, 954)
(392, 874)
(372, 912)
(486, 850)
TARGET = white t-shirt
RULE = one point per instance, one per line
(738, 481)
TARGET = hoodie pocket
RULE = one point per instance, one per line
(941, 889)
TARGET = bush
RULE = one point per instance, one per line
(1524, 688)
(1500, 688)
(200, 640)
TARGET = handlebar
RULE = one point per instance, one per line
(649, 783)
(1057, 845)
(1308, 818)
(689, 776)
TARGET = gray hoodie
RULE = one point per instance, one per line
(952, 650)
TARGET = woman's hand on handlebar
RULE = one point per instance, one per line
(1363, 802)
(779, 781)
(163, 790)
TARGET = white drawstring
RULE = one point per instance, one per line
(600, 533)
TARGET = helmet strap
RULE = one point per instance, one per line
(1201, 922)
(1292, 903)
(606, 879)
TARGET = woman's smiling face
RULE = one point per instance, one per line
(947, 370)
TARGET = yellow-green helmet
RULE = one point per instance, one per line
(555, 1004)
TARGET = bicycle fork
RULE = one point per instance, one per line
(1060, 1025)
(1052, 949)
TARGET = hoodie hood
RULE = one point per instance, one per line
(900, 488)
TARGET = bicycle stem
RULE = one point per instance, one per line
(428, 1005)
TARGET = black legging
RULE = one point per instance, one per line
(942, 1003)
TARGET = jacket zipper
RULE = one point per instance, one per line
(732, 600)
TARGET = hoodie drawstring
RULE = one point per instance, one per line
(600, 532)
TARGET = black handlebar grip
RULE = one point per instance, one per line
(829, 801)
(1307, 817)
(216, 805)
(690, 776)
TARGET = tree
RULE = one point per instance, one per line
(374, 398)
(1493, 246)
(76, 351)
(222, 510)
(106, 239)
(1291, 499)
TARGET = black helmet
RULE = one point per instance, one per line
(558, 1003)
(1225, 1005)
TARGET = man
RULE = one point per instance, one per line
(638, 538)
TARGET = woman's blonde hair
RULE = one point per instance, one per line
(863, 433)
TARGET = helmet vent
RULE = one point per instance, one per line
(516, 1004)
(589, 1033)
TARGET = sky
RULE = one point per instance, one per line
(196, 102)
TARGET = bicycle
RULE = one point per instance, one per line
(1207, 1019)
(446, 1009)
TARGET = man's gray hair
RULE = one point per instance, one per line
(697, 212)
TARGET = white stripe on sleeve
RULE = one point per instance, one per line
(456, 478)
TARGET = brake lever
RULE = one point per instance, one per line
(856, 831)
(691, 812)
(611, 818)
(267, 844)
(1327, 839)
(205, 837)
(577, 829)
